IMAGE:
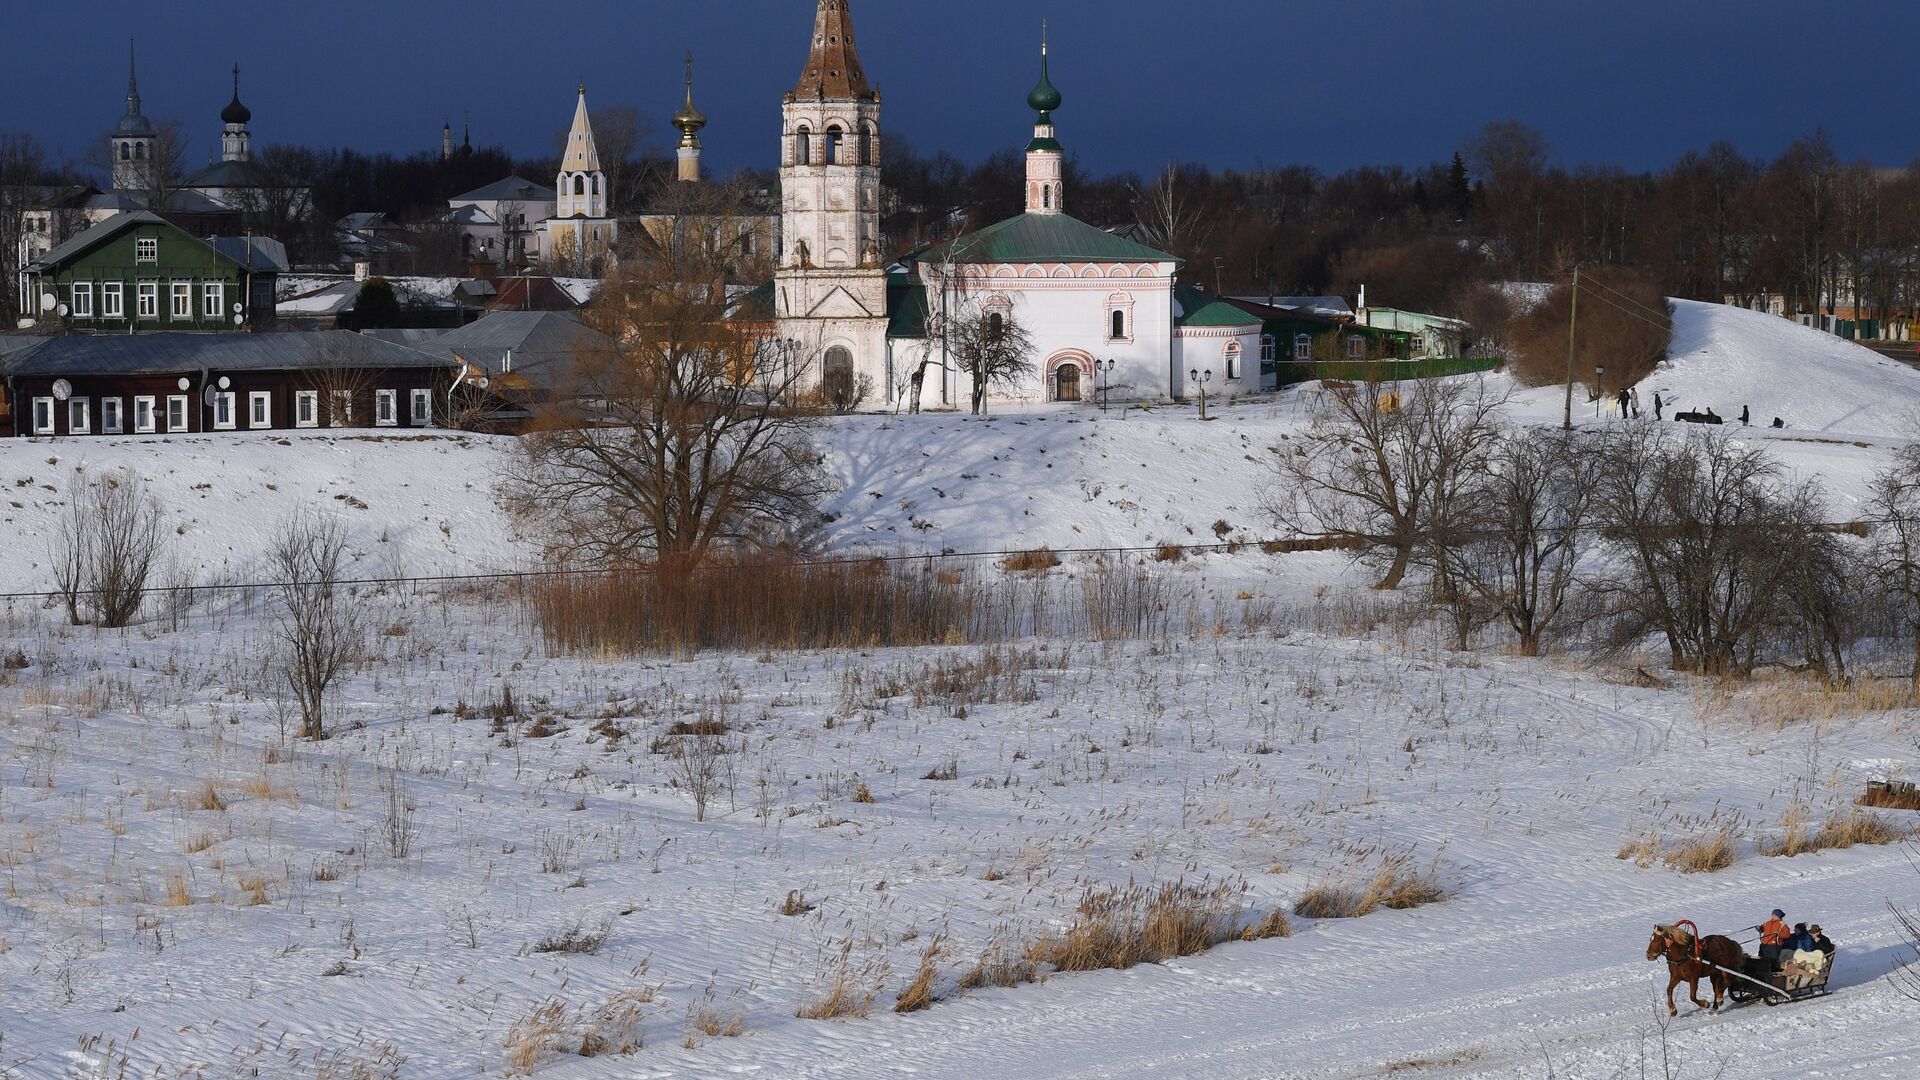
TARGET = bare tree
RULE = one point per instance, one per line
(688, 437)
(106, 548)
(702, 764)
(1893, 556)
(1522, 531)
(1170, 218)
(317, 625)
(1708, 535)
(1906, 974)
(991, 346)
(1384, 465)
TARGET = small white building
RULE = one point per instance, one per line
(504, 222)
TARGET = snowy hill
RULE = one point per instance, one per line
(1725, 357)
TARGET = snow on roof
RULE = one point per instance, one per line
(1325, 307)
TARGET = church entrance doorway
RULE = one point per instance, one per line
(836, 382)
(1066, 382)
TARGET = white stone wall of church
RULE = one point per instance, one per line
(1205, 349)
(1069, 320)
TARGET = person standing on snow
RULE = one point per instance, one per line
(1745, 419)
(1621, 397)
(1656, 405)
(1634, 396)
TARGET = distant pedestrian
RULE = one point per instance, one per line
(1745, 420)
(1779, 423)
(1623, 399)
(1634, 396)
(1657, 405)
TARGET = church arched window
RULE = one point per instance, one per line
(596, 183)
(835, 137)
(1046, 196)
(126, 152)
(1119, 327)
(140, 151)
(996, 326)
(579, 184)
(803, 146)
(1233, 360)
(869, 153)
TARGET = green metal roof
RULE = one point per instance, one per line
(1040, 238)
(908, 314)
(1205, 309)
(1043, 144)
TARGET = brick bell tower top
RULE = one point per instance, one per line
(833, 69)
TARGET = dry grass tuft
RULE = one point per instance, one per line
(1643, 850)
(919, 993)
(1118, 927)
(1036, 561)
(576, 939)
(1778, 703)
(1169, 553)
(614, 1028)
(207, 798)
(198, 842)
(254, 884)
(1398, 885)
(844, 998)
(177, 894)
(530, 1040)
(863, 794)
(1854, 828)
(1275, 925)
(1708, 853)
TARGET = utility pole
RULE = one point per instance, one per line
(1573, 322)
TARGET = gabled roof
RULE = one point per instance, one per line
(146, 354)
(544, 344)
(1031, 238)
(227, 174)
(1191, 307)
(511, 188)
(530, 294)
(261, 254)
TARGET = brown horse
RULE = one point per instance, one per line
(1690, 959)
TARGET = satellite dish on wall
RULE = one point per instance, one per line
(184, 383)
(225, 382)
(238, 307)
(62, 311)
(62, 389)
(47, 300)
(207, 395)
(239, 320)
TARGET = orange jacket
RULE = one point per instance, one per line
(1774, 932)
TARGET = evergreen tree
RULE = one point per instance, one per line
(1459, 190)
(376, 307)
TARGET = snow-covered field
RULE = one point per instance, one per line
(188, 893)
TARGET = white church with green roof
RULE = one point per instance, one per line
(1101, 311)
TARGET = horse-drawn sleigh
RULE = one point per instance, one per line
(1733, 974)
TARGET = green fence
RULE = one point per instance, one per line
(1434, 367)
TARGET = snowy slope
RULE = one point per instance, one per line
(414, 504)
(1726, 357)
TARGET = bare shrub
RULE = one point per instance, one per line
(316, 624)
(398, 829)
(1889, 795)
(702, 765)
(106, 548)
(577, 939)
(1397, 885)
(1624, 324)
(1118, 601)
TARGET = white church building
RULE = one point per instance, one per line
(1101, 311)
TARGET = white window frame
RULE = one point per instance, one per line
(1269, 348)
(260, 409)
(386, 408)
(1302, 347)
(177, 407)
(146, 249)
(225, 403)
(147, 299)
(1357, 347)
(340, 409)
(83, 299)
(1233, 357)
(113, 300)
(79, 416)
(112, 420)
(306, 408)
(43, 416)
(213, 299)
(180, 301)
(144, 416)
(420, 410)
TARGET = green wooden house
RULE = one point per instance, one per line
(138, 273)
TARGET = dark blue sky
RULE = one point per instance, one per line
(1330, 83)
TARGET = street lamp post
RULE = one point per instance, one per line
(1599, 388)
(1201, 379)
(1104, 369)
